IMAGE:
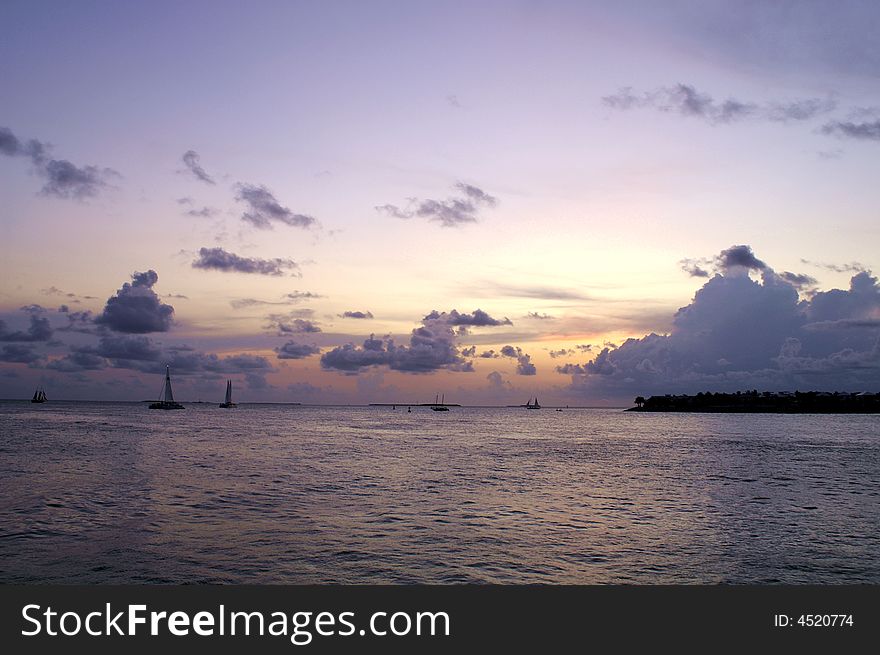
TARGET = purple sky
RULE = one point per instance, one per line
(365, 202)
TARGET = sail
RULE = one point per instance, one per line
(228, 392)
(37, 394)
(169, 397)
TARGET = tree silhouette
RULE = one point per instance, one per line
(640, 400)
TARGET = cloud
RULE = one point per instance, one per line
(293, 350)
(863, 131)
(357, 314)
(532, 291)
(524, 364)
(685, 100)
(38, 329)
(799, 280)
(14, 353)
(63, 179)
(743, 333)
(263, 209)
(432, 346)
(204, 212)
(286, 324)
(539, 317)
(478, 318)
(452, 212)
(218, 259)
(287, 299)
(739, 256)
(191, 159)
(694, 268)
(853, 267)
(136, 309)
(76, 362)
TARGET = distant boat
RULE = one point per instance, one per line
(228, 402)
(39, 396)
(530, 405)
(440, 406)
(167, 401)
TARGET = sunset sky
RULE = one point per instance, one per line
(500, 193)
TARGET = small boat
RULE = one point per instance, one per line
(167, 401)
(228, 402)
(39, 396)
(440, 406)
(530, 405)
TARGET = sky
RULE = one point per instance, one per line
(350, 202)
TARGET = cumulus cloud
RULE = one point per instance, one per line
(38, 328)
(135, 308)
(524, 364)
(432, 346)
(294, 350)
(356, 314)
(193, 164)
(263, 209)
(452, 212)
(743, 333)
(684, 99)
(63, 179)
(218, 259)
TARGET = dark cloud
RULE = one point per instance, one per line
(285, 324)
(432, 346)
(38, 329)
(539, 317)
(15, 353)
(296, 296)
(76, 362)
(77, 321)
(63, 178)
(136, 309)
(264, 209)
(452, 212)
(357, 314)
(217, 259)
(685, 100)
(743, 333)
(739, 256)
(864, 131)
(524, 364)
(799, 280)
(293, 350)
(124, 348)
(478, 318)
(191, 159)
(694, 268)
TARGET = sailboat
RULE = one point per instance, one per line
(228, 402)
(39, 396)
(530, 405)
(441, 406)
(167, 401)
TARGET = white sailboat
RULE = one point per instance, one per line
(167, 401)
(228, 402)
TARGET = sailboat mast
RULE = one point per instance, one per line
(169, 396)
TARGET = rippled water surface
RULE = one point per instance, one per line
(114, 492)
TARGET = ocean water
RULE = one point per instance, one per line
(116, 493)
